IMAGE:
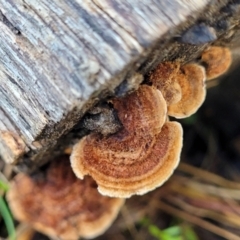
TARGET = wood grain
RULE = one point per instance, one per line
(59, 57)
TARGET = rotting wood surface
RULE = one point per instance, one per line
(58, 58)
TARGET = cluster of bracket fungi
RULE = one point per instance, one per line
(144, 152)
(136, 159)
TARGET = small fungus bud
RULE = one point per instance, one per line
(216, 60)
(12, 147)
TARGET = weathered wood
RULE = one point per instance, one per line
(58, 58)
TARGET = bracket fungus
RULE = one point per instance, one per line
(216, 60)
(192, 82)
(164, 79)
(61, 206)
(182, 87)
(139, 157)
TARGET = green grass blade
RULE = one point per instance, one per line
(4, 186)
(155, 231)
(173, 231)
(6, 215)
(189, 233)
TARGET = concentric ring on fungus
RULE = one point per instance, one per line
(60, 205)
(138, 158)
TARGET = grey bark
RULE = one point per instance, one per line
(58, 58)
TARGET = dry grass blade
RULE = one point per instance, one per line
(129, 224)
(208, 176)
(216, 191)
(229, 219)
(201, 194)
(195, 220)
(201, 189)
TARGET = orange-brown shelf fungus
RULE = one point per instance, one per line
(141, 156)
(164, 79)
(122, 171)
(61, 206)
(216, 60)
(142, 112)
(182, 87)
(192, 82)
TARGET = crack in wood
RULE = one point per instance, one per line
(6, 22)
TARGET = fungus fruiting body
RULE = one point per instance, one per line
(134, 159)
(192, 82)
(164, 79)
(141, 113)
(13, 146)
(60, 205)
(182, 87)
(216, 60)
(138, 158)
(133, 171)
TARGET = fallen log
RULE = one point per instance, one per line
(59, 58)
